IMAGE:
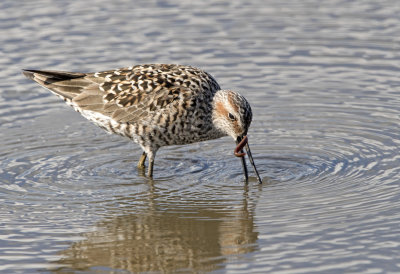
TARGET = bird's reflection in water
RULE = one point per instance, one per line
(167, 237)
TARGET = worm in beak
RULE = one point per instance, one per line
(241, 143)
(239, 148)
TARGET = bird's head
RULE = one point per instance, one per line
(231, 113)
(232, 116)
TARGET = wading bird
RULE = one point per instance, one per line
(155, 105)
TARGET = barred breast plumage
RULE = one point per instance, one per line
(155, 105)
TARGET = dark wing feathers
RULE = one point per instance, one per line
(65, 84)
(126, 94)
(52, 74)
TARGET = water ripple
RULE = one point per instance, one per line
(322, 79)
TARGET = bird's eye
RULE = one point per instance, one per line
(230, 115)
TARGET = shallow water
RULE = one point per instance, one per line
(323, 82)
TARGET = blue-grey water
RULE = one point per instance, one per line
(323, 79)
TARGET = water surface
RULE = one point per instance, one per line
(323, 82)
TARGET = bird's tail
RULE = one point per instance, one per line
(65, 84)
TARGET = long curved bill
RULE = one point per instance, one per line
(241, 143)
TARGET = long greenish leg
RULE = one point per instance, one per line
(152, 155)
(150, 170)
(142, 160)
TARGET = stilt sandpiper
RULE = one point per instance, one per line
(155, 105)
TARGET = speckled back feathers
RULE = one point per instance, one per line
(131, 86)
